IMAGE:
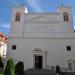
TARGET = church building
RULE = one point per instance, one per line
(42, 40)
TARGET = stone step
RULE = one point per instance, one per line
(39, 72)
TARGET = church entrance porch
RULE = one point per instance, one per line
(38, 62)
(39, 58)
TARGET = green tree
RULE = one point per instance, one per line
(1, 64)
(9, 69)
(19, 68)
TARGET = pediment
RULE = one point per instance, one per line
(39, 50)
(40, 17)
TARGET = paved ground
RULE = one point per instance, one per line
(44, 72)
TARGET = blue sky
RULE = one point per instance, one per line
(42, 6)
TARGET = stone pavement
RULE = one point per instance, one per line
(44, 72)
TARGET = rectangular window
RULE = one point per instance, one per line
(13, 47)
(68, 48)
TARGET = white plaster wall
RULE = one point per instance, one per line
(56, 48)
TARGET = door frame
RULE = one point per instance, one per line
(40, 52)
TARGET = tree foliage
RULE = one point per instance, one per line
(19, 68)
(9, 69)
(1, 63)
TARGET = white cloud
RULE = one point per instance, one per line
(35, 4)
(5, 26)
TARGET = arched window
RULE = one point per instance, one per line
(65, 16)
(17, 18)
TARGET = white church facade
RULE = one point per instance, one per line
(42, 40)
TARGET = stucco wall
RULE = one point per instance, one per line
(56, 50)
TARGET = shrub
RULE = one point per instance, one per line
(19, 68)
(1, 65)
(0, 71)
(9, 69)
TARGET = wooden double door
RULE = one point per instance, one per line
(38, 62)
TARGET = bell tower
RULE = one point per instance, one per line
(17, 21)
(67, 19)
